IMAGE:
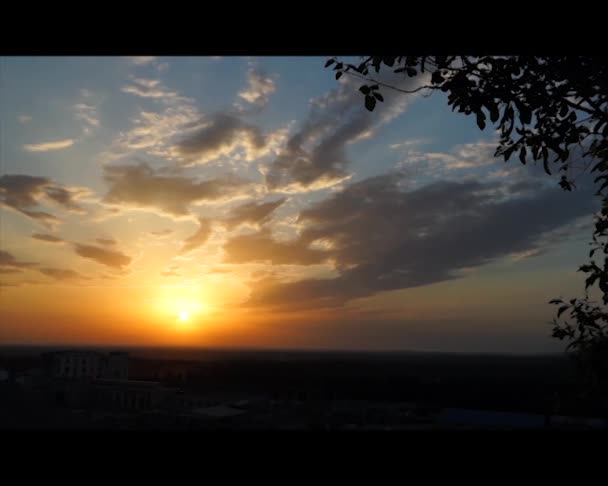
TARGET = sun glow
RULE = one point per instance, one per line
(183, 306)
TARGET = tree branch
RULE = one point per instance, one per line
(579, 106)
(372, 80)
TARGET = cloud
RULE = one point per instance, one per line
(181, 133)
(220, 135)
(110, 258)
(170, 274)
(64, 197)
(60, 273)
(87, 114)
(465, 156)
(141, 60)
(382, 237)
(153, 133)
(105, 241)
(47, 146)
(253, 213)
(48, 238)
(261, 247)
(410, 143)
(23, 193)
(163, 232)
(8, 261)
(23, 119)
(10, 270)
(141, 186)
(315, 156)
(150, 88)
(199, 238)
(258, 93)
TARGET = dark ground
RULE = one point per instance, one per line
(533, 384)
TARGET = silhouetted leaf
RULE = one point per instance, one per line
(562, 309)
(546, 166)
(370, 103)
(525, 115)
(364, 89)
(596, 127)
(591, 280)
(522, 155)
(481, 123)
(565, 184)
(508, 152)
(338, 74)
(378, 96)
(329, 62)
(494, 114)
(436, 78)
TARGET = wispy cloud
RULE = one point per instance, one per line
(87, 114)
(60, 273)
(315, 157)
(163, 232)
(7, 260)
(410, 143)
(181, 133)
(150, 88)
(142, 60)
(24, 193)
(152, 133)
(47, 146)
(23, 119)
(221, 135)
(199, 238)
(110, 258)
(252, 213)
(141, 186)
(47, 238)
(106, 241)
(465, 156)
(261, 87)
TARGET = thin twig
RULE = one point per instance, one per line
(388, 85)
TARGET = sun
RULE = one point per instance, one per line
(183, 307)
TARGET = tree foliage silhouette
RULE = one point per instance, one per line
(544, 108)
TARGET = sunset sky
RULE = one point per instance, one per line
(255, 202)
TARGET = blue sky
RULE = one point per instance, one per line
(233, 184)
